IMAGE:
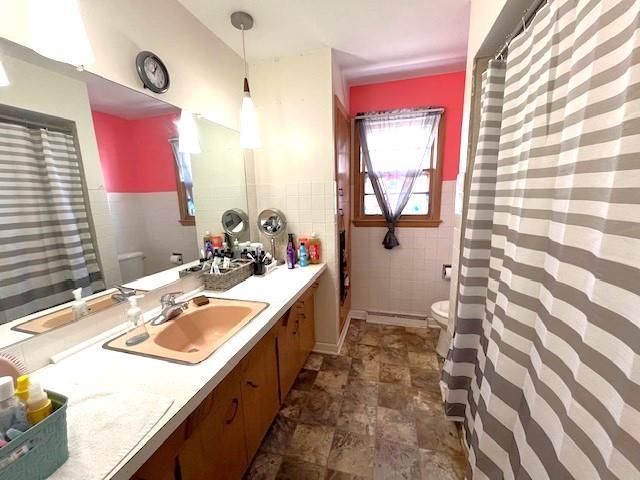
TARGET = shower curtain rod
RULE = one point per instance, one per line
(528, 15)
(35, 124)
(417, 111)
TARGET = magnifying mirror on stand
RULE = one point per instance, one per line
(272, 224)
(235, 222)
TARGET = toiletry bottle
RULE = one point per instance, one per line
(314, 249)
(236, 248)
(303, 255)
(39, 406)
(12, 411)
(79, 305)
(22, 388)
(291, 253)
(138, 332)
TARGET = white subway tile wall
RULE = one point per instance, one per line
(148, 222)
(407, 279)
(309, 208)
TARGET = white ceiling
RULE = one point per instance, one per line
(374, 39)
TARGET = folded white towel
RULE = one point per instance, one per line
(98, 439)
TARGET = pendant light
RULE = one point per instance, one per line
(4, 78)
(57, 31)
(249, 130)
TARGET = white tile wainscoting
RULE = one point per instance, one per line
(407, 279)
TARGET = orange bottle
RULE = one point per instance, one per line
(314, 249)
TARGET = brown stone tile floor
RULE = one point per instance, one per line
(373, 412)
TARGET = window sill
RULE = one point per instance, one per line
(417, 223)
(191, 222)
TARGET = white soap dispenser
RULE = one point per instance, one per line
(138, 332)
(79, 305)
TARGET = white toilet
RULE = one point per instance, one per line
(131, 266)
(440, 313)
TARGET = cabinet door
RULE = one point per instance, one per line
(215, 445)
(163, 464)
(288, 351)
(306, 316)
(260, 390)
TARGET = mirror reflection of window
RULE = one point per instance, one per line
(184, 179)
(47, 246)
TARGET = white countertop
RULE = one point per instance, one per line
(96, 367)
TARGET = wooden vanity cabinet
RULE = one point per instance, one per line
(296, 338)
(222, 435)
(260, 390)
(163, 464)
(214, 445)
(288, 351)
(306, 318)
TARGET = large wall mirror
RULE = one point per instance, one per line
(98, 193)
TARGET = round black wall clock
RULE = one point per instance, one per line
(152, 72)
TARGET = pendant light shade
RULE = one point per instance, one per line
(249, 129)
(57, 31)
(188, 139)
(4, 79)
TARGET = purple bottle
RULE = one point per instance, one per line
(291, 253)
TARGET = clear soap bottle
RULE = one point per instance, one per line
(138, 330)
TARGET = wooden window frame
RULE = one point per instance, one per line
(435, 189)
(185, 220)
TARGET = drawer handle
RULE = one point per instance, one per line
(303, 316)
(236, 404)
(251, 384)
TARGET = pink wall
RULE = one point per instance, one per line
(445, 90)
(135, 155)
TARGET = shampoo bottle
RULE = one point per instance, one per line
(314, 248)
(39, 406)
(138, 332)
(12, 411)
(79, 306)
(303, 256)
(291, 253)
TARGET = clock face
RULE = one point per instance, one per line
(152, 72)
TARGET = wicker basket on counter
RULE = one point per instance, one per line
(238, 272)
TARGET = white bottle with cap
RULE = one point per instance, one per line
(12, 412)
(79, 305)
(39, 406)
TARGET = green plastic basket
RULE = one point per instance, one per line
(46, 443)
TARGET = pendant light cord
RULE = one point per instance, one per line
(244, 53)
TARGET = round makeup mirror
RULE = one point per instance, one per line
(272, 223)
(235, 222)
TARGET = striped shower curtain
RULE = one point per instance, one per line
(544, 368)
(46, 245)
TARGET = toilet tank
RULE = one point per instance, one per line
(131, 266)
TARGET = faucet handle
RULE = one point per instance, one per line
(126, 291)
(169, 299)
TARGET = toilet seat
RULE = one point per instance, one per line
(441, 309)
(440, 312)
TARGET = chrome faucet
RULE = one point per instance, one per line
(124, 293)
(170, 308)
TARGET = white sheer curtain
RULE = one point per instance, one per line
(396, 147)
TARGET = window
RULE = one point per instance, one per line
(184, 181)
(423, 207)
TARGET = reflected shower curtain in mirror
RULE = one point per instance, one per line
(396, 145)
(46, 244)
(544, 367)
